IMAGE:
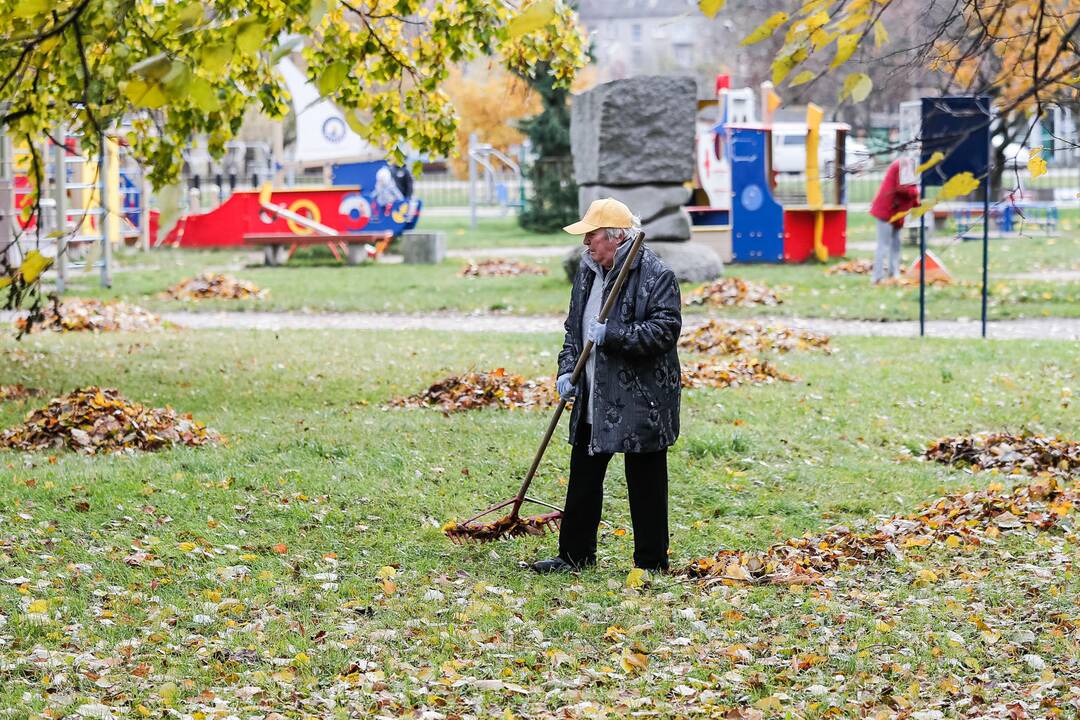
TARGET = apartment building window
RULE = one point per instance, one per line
(635, 32)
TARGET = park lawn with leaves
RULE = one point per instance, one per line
(299, 568)
(315, 282)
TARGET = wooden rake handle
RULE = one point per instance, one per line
(579, 368)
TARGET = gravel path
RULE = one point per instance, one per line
(1033, 329)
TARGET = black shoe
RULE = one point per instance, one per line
(555, 565)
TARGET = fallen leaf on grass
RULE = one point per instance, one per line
(475, 390)
(79, 315)
(112, 424)
(732, 373)
(500, 267)
(718, 337)
(1008, 453)
(730, 291)
(213, 286)
(973, 516)
(851, 267)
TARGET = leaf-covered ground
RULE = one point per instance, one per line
(299, 569)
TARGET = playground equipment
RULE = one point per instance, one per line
(750, 224)
(88, 204)
(370, 210)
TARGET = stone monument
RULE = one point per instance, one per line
(633, 140)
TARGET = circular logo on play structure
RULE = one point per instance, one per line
(333, 129)
(751, 198)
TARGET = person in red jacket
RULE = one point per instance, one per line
(892, 198)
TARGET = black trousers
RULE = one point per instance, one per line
(647, 484)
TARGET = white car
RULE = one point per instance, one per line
(789, 149)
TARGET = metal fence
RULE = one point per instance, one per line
(1060, 185)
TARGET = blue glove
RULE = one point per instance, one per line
(597, 331)
(565, 387)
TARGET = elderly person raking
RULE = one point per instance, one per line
(628, 399)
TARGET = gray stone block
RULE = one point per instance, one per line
(673, 226)
(635, 131)
(423, 248)
(645, 201)
(690, 261)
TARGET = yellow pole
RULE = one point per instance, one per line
(112, 191)
(814, 197)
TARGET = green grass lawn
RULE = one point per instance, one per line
(299, 569)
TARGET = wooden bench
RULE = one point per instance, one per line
(279, 247)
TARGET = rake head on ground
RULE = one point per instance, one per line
(508, 526)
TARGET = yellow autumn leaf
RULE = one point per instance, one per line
(532, 18)
(816, 20)
(781, 67)
(633, 662)
(934, 159)
(845, 46)
(917, 212)
(38, 606)
(301, 658)
(766, 29)
(168, 693)
(187, 546)
(853, 21)
(735, 571)
(388, 587)
(803, 77)
(926, 576)
(635, 578)
(35, 263)
(857, 86)
(769, 704)
(1036, 164)
(386, 571)
(820, 38)
(882, 626)
(5, 280)
(710, 7)
(958, 185)
(881, 35)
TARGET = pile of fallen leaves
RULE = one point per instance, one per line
(851, 267)
(500, 267)
(733, 373)
(93, 419)
(213, 286)
(1009, 453)
(475, 390)
(736, 338)
(82, 315)
(505, 527)
(970, 519)
(733, 291)
(17, 392)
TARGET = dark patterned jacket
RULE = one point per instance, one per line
(637, 368)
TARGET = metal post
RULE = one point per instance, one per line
(60, 198)
(922, 275)
(144, 210)
(986, 223)
(472, 181)
(104, 163)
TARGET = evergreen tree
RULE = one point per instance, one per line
(553, 201)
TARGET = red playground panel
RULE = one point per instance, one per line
(339, 207)
(799, 232)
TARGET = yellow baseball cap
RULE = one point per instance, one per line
(602, 213)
